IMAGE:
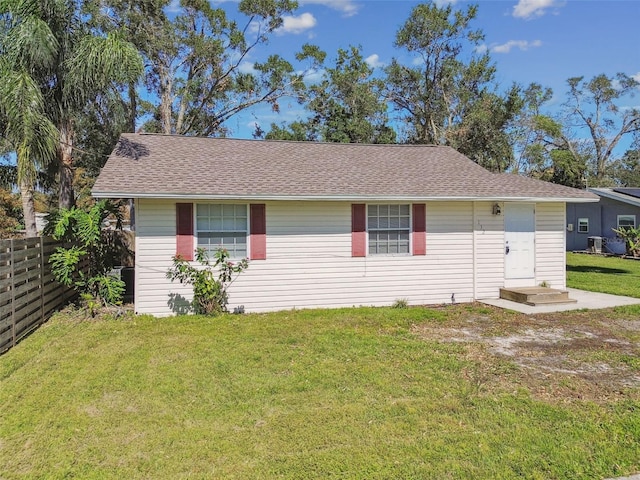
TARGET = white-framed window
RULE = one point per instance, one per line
(389, 228)
(222, 226)
(626, 221)
(583, 225)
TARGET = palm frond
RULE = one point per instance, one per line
(97, 62)
(31, 42)
(27, 129)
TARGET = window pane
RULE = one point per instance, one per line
(202, 223)
(389, 229)
(202, 210)
(216, 224)
(240, 224)
(228, 224)
(222, 226)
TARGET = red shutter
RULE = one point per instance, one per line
(419, 235)
(184, 230)
(258, 225)
(358, 230)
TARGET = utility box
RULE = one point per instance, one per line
(594, 244)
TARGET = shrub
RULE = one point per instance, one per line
(86, 264)
(210, 281)
(631, 237)
(400, 303)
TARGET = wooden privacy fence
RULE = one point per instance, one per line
(29, 293)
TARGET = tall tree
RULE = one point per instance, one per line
(626, 170)
(81, 63)
(197, 62)
(25, 127)
(594, 105)
(346, 106)
(448, 95)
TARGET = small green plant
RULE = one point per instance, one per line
(86, 263)
(210, 281)
(90, 304)
(400, 303)
(544, 284)
(631, 237)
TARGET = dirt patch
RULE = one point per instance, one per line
(590, 355)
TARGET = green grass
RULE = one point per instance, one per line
(596, 273)
(350, 393)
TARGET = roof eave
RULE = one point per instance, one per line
(341, 198)
(620, 197)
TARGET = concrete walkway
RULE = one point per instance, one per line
(590, 300)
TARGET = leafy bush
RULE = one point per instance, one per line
(401, 303)
(210, 281)
(631, 237)
(86, 263)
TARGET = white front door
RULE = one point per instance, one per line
(519, 237)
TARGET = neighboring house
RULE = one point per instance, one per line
(330, 225)
(618, 207)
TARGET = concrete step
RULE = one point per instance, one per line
(536, 295)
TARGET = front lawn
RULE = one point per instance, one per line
(462, 391)
(597, 273)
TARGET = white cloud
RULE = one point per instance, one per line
(247, 67)
(444, 3)
(374, 61)
(347, 7)
(312, 76)
(528, 9)
(636, 77)
(296, 24)
(520, 44)
(289, 112)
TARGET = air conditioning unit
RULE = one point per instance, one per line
(594, 244)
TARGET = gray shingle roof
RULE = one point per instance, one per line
(618, 194)
(144, 165)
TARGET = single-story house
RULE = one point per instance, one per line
(331, 225)
(618, 207)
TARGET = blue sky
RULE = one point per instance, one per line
(543, 41)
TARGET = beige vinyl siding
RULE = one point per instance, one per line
(309, 261)
(155, 246)
(550, 244)
(488, 230)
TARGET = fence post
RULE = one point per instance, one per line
(42, 280)
(12, 273)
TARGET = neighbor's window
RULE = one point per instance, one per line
(626, 221)
(222, 226)
(583, 225)
(389, 228)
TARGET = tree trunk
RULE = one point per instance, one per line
(166, 100)
(66, 197)
(133, 107)
(28, 209)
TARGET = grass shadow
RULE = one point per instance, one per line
(592, 269)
